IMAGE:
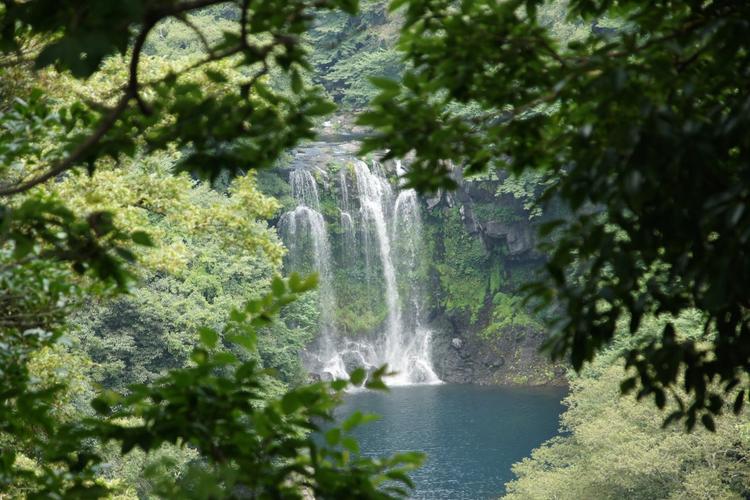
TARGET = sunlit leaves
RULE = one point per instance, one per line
(43, 227)
(33, 134)
(634, 454)
(144, 198)
(142, 238)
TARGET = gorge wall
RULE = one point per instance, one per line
(402, 273)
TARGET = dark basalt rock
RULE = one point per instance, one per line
(470, 222)
(519, 237)
(352, 361)
(512, 358)
(434, 201)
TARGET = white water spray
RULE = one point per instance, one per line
(404, 343)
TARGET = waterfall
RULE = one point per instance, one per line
(407, 223)
(306, 223)
(380, 231)
(416, 348)
(305, 189)
(374, 193)
(346, 220)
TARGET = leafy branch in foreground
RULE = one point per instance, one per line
(219, 113)
(249, 125)
(249, 444)
(645, 130)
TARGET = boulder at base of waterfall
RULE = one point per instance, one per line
(352, 360)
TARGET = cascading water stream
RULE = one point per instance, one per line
(307, 221)
(374, 192)
(346, 220)
(384, 221)
(415, 348)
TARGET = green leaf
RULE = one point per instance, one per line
(246, 341)
(142, 238)
(278, 287)
(216, 76)
(356, 419)
(385, 83)
(309, 284)
(321, 108)
(358, 376)
(199, 356)
(396, 4)
(208, 337)
(708, 422)
(739, 401)
(377, 385)
(237, 316)
(296, 81)
(294, 281)
(333, 436)
(100, 406)
(627, 385)
(339, 384)
(350, 444)
(290, 403)
(225, 358)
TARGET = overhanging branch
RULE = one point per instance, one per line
(78, 153)
(132, 91)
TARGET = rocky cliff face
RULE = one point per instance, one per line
(488, 239)
(461, 356)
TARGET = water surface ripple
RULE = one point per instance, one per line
(471, 434)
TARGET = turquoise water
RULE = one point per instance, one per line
(471, 434)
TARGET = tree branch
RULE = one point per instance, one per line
(135, 60)
(132, 88)
(130, 92)
(78, 153)
(204, 41)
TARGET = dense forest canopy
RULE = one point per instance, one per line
(134, 138)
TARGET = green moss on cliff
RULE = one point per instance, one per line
(462, 269)
(494, 211)
(509, 316)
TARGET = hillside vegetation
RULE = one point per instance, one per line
(582, 169)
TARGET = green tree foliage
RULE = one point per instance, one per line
(214, 250)
(613, 447)
(203, 422)
(616, 448)
(347, 50)
(645, 129)
(250, 444)
(220, 130)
